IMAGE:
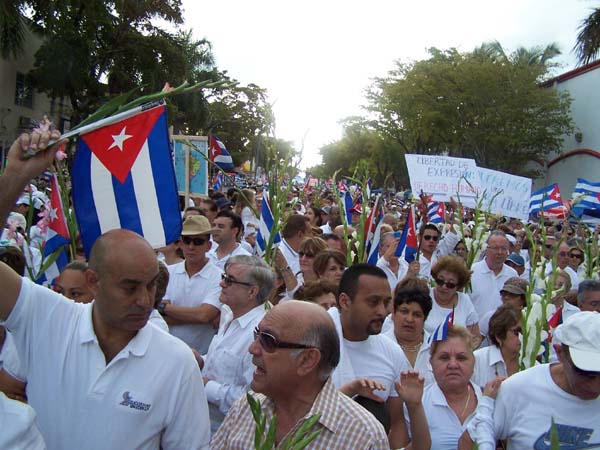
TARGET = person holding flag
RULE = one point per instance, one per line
(88, 365)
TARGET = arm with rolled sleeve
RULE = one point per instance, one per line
(225, 394)
(446, 245)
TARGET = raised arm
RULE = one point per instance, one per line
(18, 173)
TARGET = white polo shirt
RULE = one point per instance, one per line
(229, 363)
(220, 263)
(291, 256)
(17, 422)
(149, 395)
(422, 364)
(489, 364)
(199, 289)
(486, 286)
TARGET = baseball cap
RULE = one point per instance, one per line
(222, 202)
(24, 199)
(581, 332)
(515, 285)
(326, 209)
(517, 259)
(196, 225)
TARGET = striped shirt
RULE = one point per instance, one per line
(344, 424)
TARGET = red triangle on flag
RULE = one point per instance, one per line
(117, 146)
(56, 215)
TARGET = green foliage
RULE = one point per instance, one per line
(587, 47)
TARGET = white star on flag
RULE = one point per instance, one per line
(53, 215)
(118, 139)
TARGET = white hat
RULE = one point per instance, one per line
(581, 332)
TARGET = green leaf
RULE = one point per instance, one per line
(554, 439)
(108, 108)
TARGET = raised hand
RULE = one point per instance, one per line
(363, 387)
(410, 387)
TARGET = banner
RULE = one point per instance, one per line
(440, 177)
(191, 169)
(515, 192)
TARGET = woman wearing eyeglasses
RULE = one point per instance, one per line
(450, 276)
(502, 357)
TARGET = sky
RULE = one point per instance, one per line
(317, 58)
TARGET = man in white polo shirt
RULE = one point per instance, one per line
(99, 376)
(228, 226)
(228, 367)
(192, 297)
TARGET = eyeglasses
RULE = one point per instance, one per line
(229, 281)
(448, 284)
(196, 241)
(576, 255)
(308, 255)
(429, 237)
(270, 343)
(498, 249)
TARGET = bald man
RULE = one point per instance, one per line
(99, 376)
(295, 349)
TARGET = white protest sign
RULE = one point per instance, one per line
(440, 177)
(514, 196)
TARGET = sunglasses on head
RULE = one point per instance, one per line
(429, 237)
(196, 241)
(229, 281)
(448, 284)
(270, 343)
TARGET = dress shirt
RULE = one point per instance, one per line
(486, 286)
(291, 256)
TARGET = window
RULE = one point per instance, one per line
(24, 91)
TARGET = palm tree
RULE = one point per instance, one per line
(12, 28)
(587, 47)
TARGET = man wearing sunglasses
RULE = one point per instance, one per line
(566, 393)
(294, 351)
(245, 287)
(433, 247)
(192, 298)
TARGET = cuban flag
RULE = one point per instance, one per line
(123, 177)
(347, 204)
(373, 232)
(57, 237)
(586, 199)
(265, 225)
(408, 240)
(436, 212)
(342, 188)
(218, 182)
(546, 199)
(441, 332)
(219, 154)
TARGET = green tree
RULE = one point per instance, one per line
(587, 47)
(483, 104)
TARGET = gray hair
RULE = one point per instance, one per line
(322, 335)
(587, 286)
(259, 274)
(496, 233)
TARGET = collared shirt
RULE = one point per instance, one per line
(202, 288)
(572, 275)
(393, 278)
(291, 256)
(489, 364)
(149, 395)
(220, 263)
(228, 364)
(422, 364)
(486, 286)
(445, 247)
(344, 424)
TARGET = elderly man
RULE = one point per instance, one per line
(228, 226)
(192, 298)
(99, 376)
(490, 274)
(562, 262)
(566, 394)
(588, 295)
(245, 287)
(295, 350)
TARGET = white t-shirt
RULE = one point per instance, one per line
(149, 395)
(444, 426)
(220, 263)
(17, 422)
(422, 364)
(486, 286)
(202, 288)
(464, 313)
(229, 363)
(291, 256)
(529, 400)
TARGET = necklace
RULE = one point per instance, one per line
(411, 348)
(467, 402)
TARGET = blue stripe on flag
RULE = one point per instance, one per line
(127, 204)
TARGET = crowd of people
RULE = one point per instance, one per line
(143, 348)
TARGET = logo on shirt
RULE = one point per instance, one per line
(128, 401)
(570, 438)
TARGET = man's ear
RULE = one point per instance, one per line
(308, 361)
(91, 277)
(344, 300)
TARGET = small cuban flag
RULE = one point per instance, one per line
(57, 237)
(408, 240)
(436, 212)
(219, 155)
(218, 182)
(123, 177)
(265, 225)
(441, 332)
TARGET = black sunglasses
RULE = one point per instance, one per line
(576, 255)
(448, 284)
(229, 281)
(429, 237)
(196, 241)
(270, 343)
(308, 255)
